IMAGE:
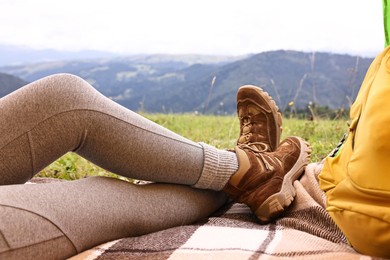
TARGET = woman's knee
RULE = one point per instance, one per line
(62, 92)
(66, 85)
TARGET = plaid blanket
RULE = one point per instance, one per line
(305, 231)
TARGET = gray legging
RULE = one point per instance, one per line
(61, 113)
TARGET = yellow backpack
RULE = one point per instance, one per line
(357, 179)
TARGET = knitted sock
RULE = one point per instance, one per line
(219, 166)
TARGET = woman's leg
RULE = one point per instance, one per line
(59, 220)
(61, 113)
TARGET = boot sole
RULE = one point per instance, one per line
(278, 202)
(271, 103)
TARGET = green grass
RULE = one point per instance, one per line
(219, 131)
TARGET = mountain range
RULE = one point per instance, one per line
(208, 84)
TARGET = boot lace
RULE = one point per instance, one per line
(260, 150)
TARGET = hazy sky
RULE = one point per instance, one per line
(194, 26)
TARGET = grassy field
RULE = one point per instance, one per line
(220, 131)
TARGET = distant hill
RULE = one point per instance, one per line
(325, 79)
(9, 83)
(169, 83)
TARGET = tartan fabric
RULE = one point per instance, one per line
(305, 231)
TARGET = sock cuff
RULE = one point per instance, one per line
(219, 166)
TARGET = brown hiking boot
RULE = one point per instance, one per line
(264, 180)
(260, 121)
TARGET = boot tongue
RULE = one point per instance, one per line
(243, 166)
(246, 163)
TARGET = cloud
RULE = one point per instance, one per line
(202, 26)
